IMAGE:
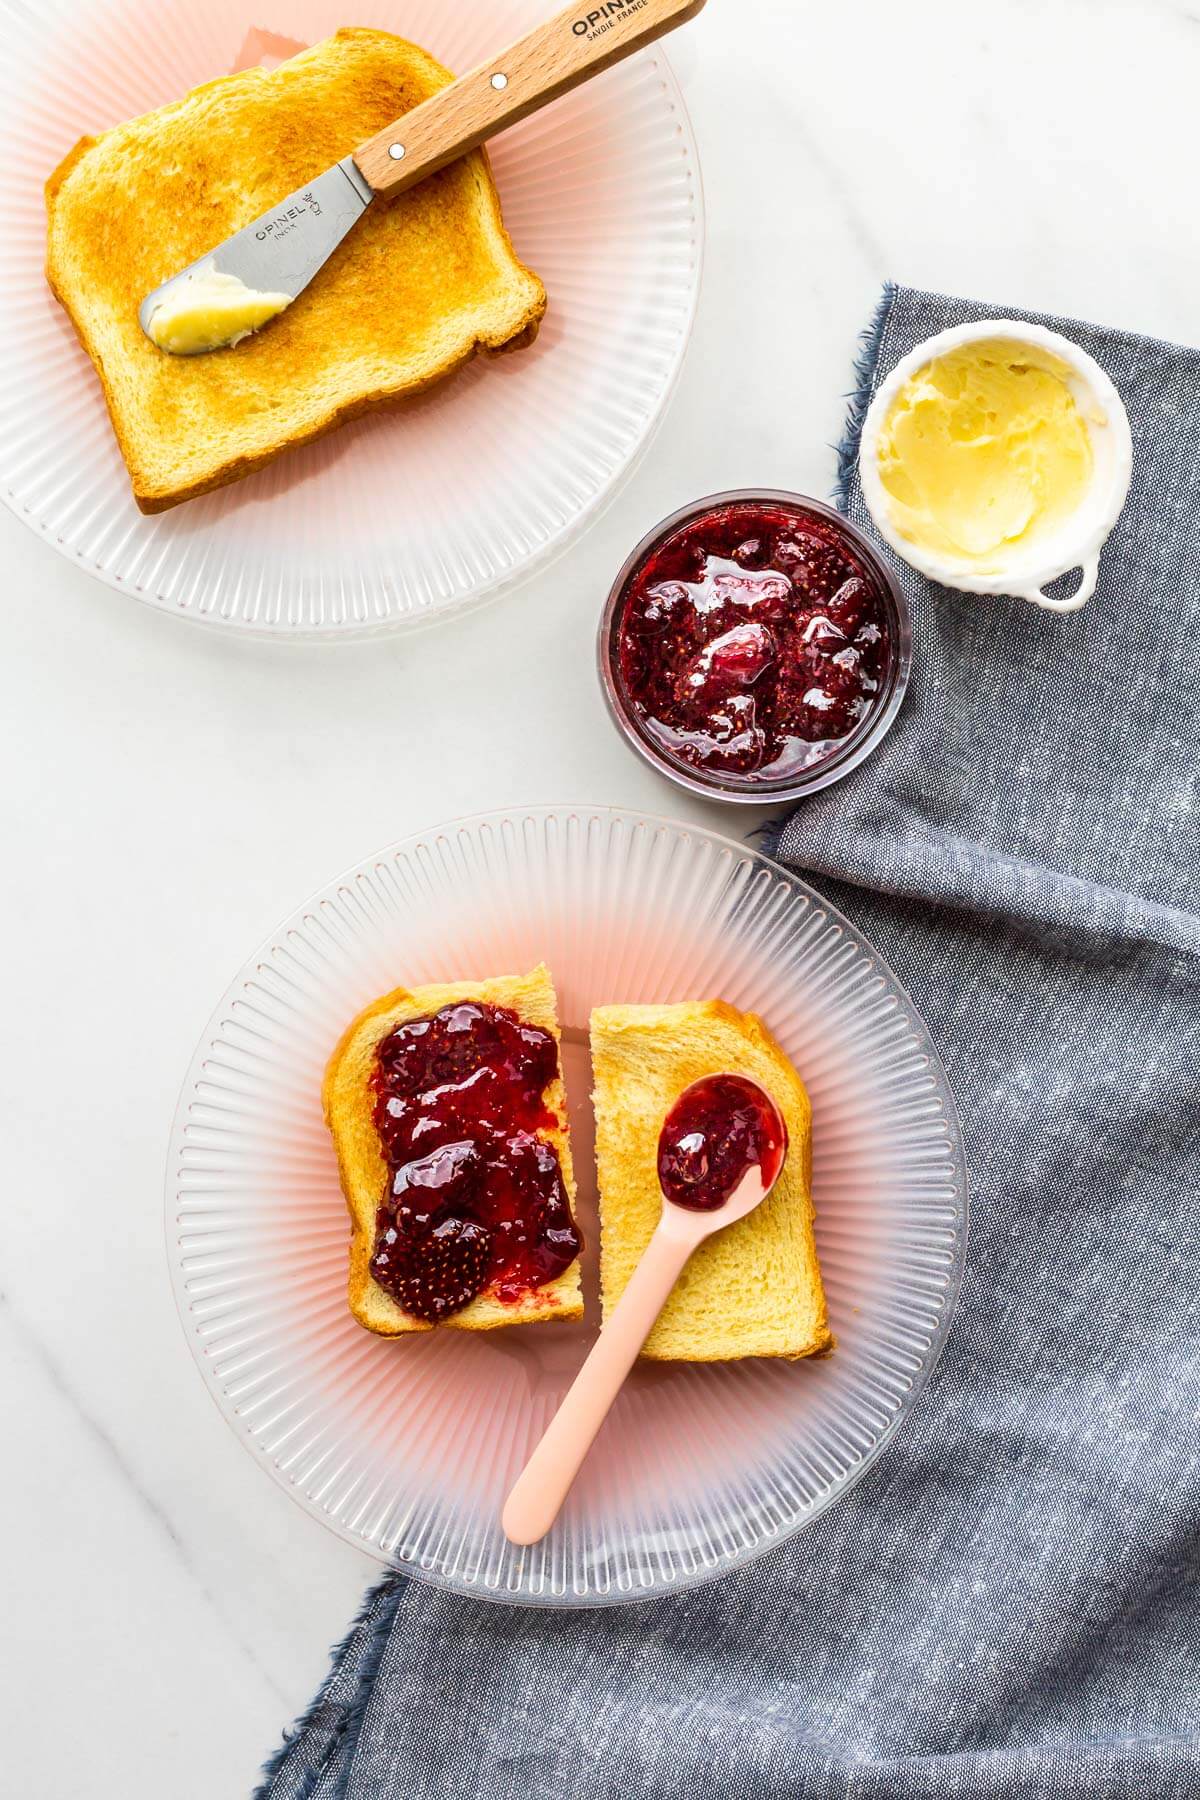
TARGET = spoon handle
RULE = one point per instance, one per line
(540, 1490)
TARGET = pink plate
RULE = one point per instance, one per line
(455, 496)
(408, 1448)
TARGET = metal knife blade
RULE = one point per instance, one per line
(284, 249)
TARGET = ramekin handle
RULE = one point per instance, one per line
(1089, 567)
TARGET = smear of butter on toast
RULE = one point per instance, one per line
(210, 311)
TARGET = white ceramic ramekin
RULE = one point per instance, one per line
(1078, 541)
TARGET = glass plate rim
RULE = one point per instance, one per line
(771, 1540)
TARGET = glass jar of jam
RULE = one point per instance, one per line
(755, 647)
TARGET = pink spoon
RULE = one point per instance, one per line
(720, 1151)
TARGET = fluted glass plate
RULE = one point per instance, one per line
(408, 1447)
(447, 499)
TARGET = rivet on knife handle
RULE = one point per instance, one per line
(549, 61)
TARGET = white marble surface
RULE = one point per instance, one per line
(166, 1608)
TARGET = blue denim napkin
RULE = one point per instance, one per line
(1006, 1604)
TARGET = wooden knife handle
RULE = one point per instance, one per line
(549, 61)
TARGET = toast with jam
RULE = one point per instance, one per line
(448, 1114)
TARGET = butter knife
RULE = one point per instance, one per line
(259, 271)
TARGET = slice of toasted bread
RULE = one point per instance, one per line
(753, 1289)
(349, 1103)
(418, 286)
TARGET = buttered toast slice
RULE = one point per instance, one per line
(753, 1289)
(474, 1072)
(419, 284)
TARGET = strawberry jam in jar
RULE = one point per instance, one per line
(755, 647)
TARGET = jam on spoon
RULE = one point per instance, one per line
(717, 1131)
(752, 641)
(475, 1197)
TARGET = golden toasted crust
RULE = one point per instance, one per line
(753, 1289)
(348, 1103)
(420, 284)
